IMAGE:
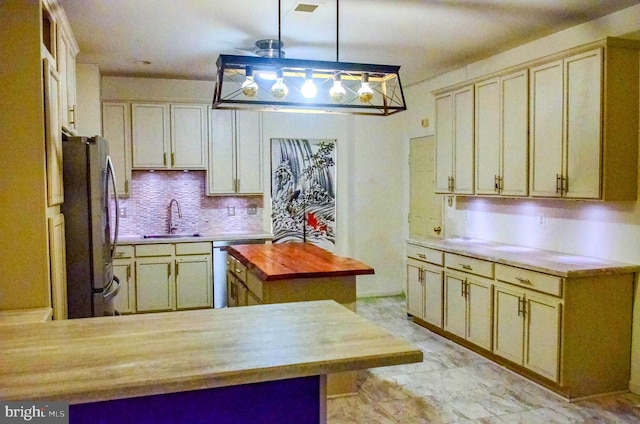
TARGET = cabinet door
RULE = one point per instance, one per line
(53, 140)
(222, 161)
(252, 300)
(455, 305)
(232, 290)
(463, 157)
(248, 152)
(487, 149)
(415, 289)
(546, 125)
(194, 285)
(150, 135)
(242, 293)
(188, 136)
(542, 336)
(479, 296)
(126, 298)
(154, 284)
(432, 281)
(444, 143)
(58, 263)
(583, 83)
(508, 340)
(514, 108)
(116, 129)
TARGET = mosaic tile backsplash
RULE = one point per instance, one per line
(147, 208)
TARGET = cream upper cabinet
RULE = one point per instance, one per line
(168, 136)
(53, 135)
(501, 135)
(455, 141)
(116, 129)
(66, 57)
(235, 153)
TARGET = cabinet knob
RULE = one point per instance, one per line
(467, 267)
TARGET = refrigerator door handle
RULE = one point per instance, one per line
(112, 175)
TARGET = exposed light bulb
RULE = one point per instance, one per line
(365, 93)
(337, 92)
(279, 89)
(309, 89)
(249, 86)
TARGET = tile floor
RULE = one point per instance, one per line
(455, 385)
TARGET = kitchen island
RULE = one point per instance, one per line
(257, 364)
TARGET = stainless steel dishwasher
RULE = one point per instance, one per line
(220, 269)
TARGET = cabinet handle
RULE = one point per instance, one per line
(177, 268)
(164, 159)
(467, 267)
(238, 270)
(523, 280)
(437, 229)
(72, 116)
(128, 272)
(422, 256)
(560, 185)
(168, 270)
(228, 263)
(420, 275)
(173, 158)
(521, 307)
(463, 285)
(500, 184)
(496, 183)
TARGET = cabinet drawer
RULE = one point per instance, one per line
(530, 279)
(125, 251)
(238, 269)
(201, 248)
(426, 254)
(467, 264)
(154, 250)
(255, 286)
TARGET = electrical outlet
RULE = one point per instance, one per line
(231, 210)
(252, 210)
(123, 212)
(542, 220)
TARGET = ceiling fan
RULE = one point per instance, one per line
(268, 47)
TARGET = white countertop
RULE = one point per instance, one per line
(211, 237)
(555, 263)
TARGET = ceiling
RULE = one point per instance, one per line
(183, 38)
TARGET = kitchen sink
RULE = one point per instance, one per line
(170, 236)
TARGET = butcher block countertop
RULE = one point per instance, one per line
(285, 261)
(555, 263)
(95, 359)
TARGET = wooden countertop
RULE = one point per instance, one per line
(285, 261)
(22, 316)
(554, 263)
(94, 359)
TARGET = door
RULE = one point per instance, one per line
(194, 285)
(444, 143)
(583, 134)
(425, 206)
(546, 129)
(415, 289)
(150, 135)
(455, 306)
(488, 139)
(542, 336)
(188, 136)
(154, 284)
(508, 340)
(479, 313)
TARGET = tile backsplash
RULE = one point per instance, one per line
(146, 211)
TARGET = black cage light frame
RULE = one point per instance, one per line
(386, 95)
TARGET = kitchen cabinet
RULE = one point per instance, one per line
(467, 307)
(235, 153)
(173, 276)
(501, 135)
(53, 134)
(168, 136)
(124, 269)
(527, 330)
(67, 49)
(424, 288)
(454, 141)
(116, 129)
(57, 255)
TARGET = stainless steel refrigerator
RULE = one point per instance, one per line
(90, 202)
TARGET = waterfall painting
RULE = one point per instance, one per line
(303, 191)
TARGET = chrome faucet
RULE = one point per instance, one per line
(173, 229)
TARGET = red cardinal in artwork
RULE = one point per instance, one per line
(315, 223)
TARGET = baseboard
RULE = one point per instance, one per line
(380, 294)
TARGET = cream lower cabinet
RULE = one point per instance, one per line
(58, 266)
(124, 269)
(424, 284)
(173, 276)
(527, 330)
(467, 307)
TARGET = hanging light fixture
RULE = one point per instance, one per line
(357, 88)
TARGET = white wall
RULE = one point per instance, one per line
(605, 230)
